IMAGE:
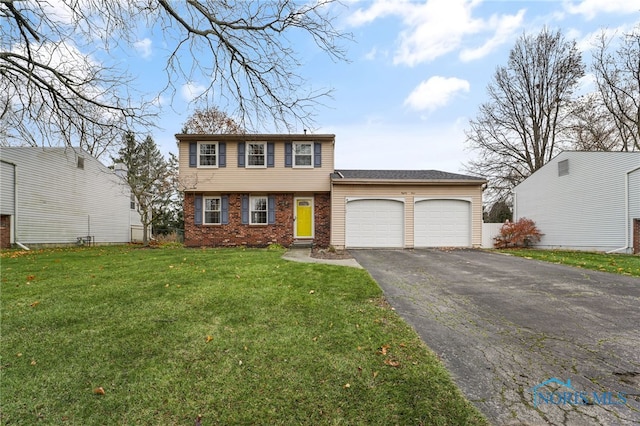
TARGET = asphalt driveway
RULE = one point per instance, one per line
(504, 326)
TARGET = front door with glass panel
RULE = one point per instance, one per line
(304, 218)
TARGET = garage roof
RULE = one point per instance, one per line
(403, 176)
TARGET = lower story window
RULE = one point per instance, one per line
(258, 210)
(212, 211)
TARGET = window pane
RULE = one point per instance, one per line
(207, 154)
(212, 204)
(255, 154)
(303, 160)
(212, 217)
(303, 149)
(258, 217)
(259, 204)
(302, 154)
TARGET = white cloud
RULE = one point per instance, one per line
(591, 8)
(435, 92)
(371, 55)
(437, 27)
(143, 47)
(191, 90)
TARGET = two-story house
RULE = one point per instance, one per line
(256, 190)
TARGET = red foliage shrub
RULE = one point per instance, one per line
(522, 233)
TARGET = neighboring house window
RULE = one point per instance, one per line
(212, 211)
(563, 167)
(256, 154)
(132, 202)
(207, 155)
(302, 155)
(258, 212)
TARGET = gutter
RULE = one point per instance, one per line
(627, 216)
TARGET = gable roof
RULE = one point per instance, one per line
(403, 177)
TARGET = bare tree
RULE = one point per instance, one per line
(60, 82)
(618, 78)
(211, 121)
(590, 127)
(518, 130)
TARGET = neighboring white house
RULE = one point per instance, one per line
(584, 201)
(61, 196)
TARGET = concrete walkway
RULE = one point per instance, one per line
(304, 255)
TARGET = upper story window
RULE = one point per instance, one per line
(302, 155)
(256, 154)
(207, 154)
(212, 210)
(258, 210)
(132, 202)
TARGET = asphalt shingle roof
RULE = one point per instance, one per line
(400, 175)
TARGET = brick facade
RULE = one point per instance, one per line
(636, 236)
(5, 231)
(235, 233)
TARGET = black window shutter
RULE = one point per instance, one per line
(245, 209)
(222, 154)
(197, 217)
(317, 154)
(193, 154)
(224, 210)
(271, 209)
(270, 155)
(241, 154)
(288, 156)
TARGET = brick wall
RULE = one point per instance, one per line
(5, 231)
(235, 233)
(636, 236)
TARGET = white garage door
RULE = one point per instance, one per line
(442, 223)
(374, 223)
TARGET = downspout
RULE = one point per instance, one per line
(627, 217)
(13, 225)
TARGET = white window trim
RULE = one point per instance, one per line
(215, 166)
(293, 155)
(204, 210)
(266, 210)
(246, 155)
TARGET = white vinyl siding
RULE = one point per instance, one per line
(58, 202)
(586, 209)
(442, 223)
(374, 224)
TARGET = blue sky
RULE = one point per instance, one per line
(417, 74)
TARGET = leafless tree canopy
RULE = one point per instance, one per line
(60, 82)
(211, 121)
(618, 78)
(518, 130)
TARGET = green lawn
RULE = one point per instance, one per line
(624, 264)
(236, 336)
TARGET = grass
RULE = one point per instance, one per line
(624, 264)
(236, 336)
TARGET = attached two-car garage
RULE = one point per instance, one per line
(380, 223)
(405, 209)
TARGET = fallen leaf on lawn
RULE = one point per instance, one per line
(375, 374)
(31, 277)
(98, 391)
(359, 370)
(209, 338)
(166, 285)
(383, 350)
(346, 386)
(170, 266)
(33, 362)
(240, 362)
(391, 363)
(34, 304)
(312, 291)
